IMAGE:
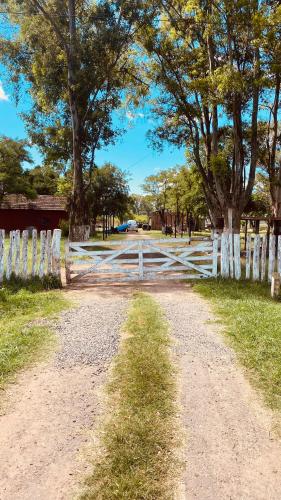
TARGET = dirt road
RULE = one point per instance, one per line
(230, 450)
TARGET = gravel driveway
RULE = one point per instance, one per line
(44, 431)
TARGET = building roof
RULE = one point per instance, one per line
(41, 202)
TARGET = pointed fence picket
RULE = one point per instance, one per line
(18, 255)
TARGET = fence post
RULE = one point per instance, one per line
(279, 256)
(17, 252)
(275, 285)
(230, 242)
(2, 250)
(24, 253)
(237, 260)
(56, 270)
(224, 255)
(34, 252)
(42, 253)
(140, 260)
(248, 256)
(9, 266)
(271, 257)
(49, 251)
(215, 255)
(263, 257)
(256, 258)
(67, 263)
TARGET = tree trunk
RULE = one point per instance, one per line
(235, 224)
(77, 216)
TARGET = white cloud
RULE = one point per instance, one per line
(3, 95)
(133, 116)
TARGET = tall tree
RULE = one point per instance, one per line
(269, 126)
(108, 193)
(205, 59)
(157, 188)
(75, 57)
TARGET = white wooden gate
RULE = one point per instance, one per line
(133, 260)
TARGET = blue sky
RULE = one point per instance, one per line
(132, 152)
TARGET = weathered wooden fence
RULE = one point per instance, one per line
(258, 262)
(20, 256)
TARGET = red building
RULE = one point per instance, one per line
(44, 212)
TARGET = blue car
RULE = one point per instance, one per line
(122, 228)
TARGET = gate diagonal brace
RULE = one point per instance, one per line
(182, 261)
(107, 260)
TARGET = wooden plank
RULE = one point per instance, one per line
(231, 255)
(224, 255)
(237, 259)
(41, 270)
(17, 252)
(147, 278)
(275, 285)
(146, 249)
(279, 255)
(67, 263)
(56, 263)
(263, 257)
(34, 253)
(140, 261)
(49, 251)
(2, 254)
(256, 258)
(271, 257)
(9, 265)
(24, 254)
(248, 256)
(215, 256)
(75, 244)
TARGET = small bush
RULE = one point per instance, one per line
(64, 226)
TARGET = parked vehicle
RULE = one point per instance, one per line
(122, 228)
(146, 227)
(132, 225)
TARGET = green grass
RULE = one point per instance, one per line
(253, 325)
(137, 459)
(21, 339)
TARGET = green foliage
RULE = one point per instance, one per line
(142, 205)
(22, 336)
(64, 226)
(13, 178)
(260, 201)
(44, 180)
(108, 192)
(178, 190)
(212, 63)
(138, 456)
(252, 324)
(100, 60)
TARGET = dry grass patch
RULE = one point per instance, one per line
(138, 458)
